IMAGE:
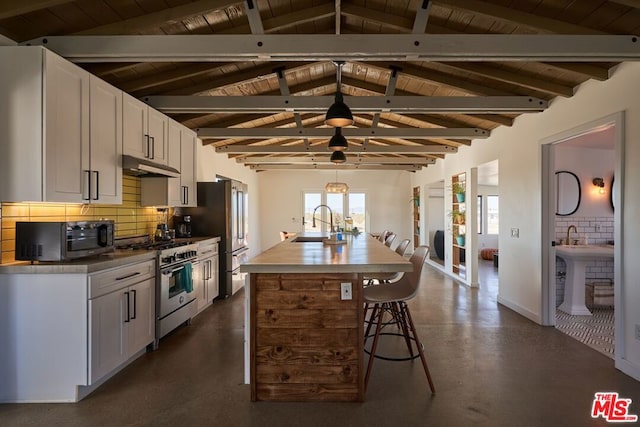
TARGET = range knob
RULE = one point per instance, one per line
(169, 259)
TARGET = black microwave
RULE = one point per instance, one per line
(62, 241)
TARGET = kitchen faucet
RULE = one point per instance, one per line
(330, 217)
(568, 242)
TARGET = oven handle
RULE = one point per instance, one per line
(174, 270)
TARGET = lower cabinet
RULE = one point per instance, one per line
(206, 277)
(122, 319)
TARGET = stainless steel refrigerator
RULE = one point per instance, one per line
(222, 211)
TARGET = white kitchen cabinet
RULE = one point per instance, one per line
(144, 130)
(121, 316)
(174, 154)
(207, 287)
(177, 192)
(51, 149)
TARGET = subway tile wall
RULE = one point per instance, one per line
(596, 231)
(130, 218)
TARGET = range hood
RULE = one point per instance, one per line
(146, 168)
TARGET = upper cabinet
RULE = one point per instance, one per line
(53, 148)
(178, 192)
(145, 131)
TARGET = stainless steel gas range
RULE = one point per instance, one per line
(175, 296)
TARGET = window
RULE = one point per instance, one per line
(479, 214)
(353, 203)
(493, 216)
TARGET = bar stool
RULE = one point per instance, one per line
(387, 277)
(388, 241)
(383, 235)
(393, 297)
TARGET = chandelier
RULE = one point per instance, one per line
(336, 187)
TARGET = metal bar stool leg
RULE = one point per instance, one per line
(419, 344)
(372, 356)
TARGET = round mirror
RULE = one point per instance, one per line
(611, 195)
(567, 193)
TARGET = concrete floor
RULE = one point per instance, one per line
(491, 367)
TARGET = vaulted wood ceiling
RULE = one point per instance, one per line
(426, 78)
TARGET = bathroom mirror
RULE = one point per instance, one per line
(568, 193)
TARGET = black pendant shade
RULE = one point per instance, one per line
(338, 157)
(339, 115)
(338, 142)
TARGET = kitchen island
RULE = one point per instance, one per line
(305, 316)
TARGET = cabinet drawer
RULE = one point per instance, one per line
(117, 278)
(207, 248)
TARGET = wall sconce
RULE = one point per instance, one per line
(599, 182)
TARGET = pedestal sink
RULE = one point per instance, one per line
(577, 257)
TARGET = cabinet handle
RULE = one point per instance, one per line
(185, 195)
(153, 147)
(128, 308)
(128, 275)
(210, 269)
(88, 186)
(97, 184)
(135, 305)
(148, 153)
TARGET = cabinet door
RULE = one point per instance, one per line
(66, 142)
(188, 176)
(158, 130)
(135, 138)
(107, 338)
(174, 145)
(142, 325)
(213, 287)
(106, 142)
(199, 284)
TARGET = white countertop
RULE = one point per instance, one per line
(360, 254)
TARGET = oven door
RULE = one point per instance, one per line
(176, 287)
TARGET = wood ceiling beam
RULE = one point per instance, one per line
(388, 20)
(506, 76)
(159, 18)
(512, 16)
(283, 22)
(365, 47)
(363, 104)
(630, 3)
(322, 149)
(11, 8)
(327, 159)
(182, 72)
(328, 132)
(590, 70)
(496, 118)
(240, 77)
(439, 78)
(263, 167)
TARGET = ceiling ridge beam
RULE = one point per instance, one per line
(331, 47)
(523, 19)
(407, 104)
(343, 166)
(159, 18)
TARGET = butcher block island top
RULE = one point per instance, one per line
(306, 339)
(360, 254)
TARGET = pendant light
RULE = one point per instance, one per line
(338, 142)
(336, 187)
(338, 157)
(339, 114)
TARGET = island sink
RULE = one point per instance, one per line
(306, 239)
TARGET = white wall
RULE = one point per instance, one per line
(518, 150)
(435, 210)
(388, 199)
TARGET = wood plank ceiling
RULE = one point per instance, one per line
(437, 105)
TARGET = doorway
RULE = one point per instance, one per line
(578, 167)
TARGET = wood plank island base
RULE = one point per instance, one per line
(305, 340)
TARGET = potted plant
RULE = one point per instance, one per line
(458, 189)
(457, 216)
(459, 239)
